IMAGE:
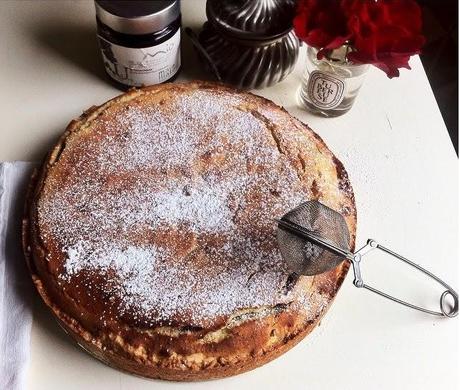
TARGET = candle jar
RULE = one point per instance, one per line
(330, 86)
(139, 40)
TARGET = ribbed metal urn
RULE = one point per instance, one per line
(249, 43)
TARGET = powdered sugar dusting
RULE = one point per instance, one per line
(173, 205)
(202, 206)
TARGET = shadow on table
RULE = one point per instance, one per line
(39, 149)
(76, 43)
(51, 333)
(44, 319)
(192, 67)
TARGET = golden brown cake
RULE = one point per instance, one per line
(150, 234)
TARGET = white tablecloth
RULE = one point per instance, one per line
(15, 282)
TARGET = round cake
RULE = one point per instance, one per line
(149, 230)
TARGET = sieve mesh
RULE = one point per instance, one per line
(305, 257)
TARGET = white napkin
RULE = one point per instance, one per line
(15, 282)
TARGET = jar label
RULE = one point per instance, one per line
(325, 90)
(142, 66)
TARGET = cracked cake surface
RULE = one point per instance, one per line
(149, 230)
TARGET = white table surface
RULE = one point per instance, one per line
(402, 165)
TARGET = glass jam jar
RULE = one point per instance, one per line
(139, 40)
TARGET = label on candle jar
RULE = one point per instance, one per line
(324, 90)
(142, 66)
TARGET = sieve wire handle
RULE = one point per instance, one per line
(309, 235)
(358, 281)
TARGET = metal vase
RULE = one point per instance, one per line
(249, 43)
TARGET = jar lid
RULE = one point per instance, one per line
(253, 19)
(137, 17)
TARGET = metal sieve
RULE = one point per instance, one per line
(313, 239)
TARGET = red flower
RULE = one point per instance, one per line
(384, 33)
(321, 24)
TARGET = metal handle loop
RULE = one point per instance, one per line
(358, 282)
(453, 310)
